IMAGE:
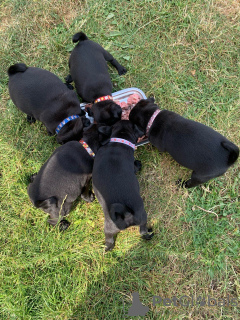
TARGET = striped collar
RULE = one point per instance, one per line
(87, 148)
(61, 124)
(150, 122)
(103, 98)
(128, 143)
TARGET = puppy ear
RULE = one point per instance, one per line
(116, 112)
(137, 131)
(106, 130)
(87, 128)
(105, 133)
(151, 99)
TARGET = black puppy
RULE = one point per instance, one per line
(89, 71)
(65, 176)
(43, 96)
(190, 143)
(115, 183)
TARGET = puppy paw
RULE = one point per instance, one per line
(89, 198)
(70, 87)
(137, 166)
(109, 246)
(32, 177)
(68, 79)
(122, 71)
(50, 133)
(181, 183)
(147, 236)
(63, 225)
(30, 119)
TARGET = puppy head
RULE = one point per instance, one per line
(96, 135)
(142, 112)
(106, 112)
(127, 130)
(73, 130)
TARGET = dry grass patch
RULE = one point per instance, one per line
(229, 8)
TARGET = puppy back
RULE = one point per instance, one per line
(18, 67)
(80, 36)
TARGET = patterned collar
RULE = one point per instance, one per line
(128, 143)
(61, 124)
(103, 98)
(87, 148)
(150, 122)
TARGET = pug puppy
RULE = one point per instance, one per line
(115, 183)
(89, 71)
(192, 144)
(44, 97)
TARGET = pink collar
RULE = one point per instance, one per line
(103, 98)
(128, 143)
(87, 148)
(150, 122)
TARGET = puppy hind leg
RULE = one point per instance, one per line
(49, 206)
(64, 211)
(110, 231)
(197, 179)
(108, 57)
(87, 194)
(110, 239)
(137, 166)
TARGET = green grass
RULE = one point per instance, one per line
(185, 53)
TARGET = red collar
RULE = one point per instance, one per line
(150, 122)
(103, 98)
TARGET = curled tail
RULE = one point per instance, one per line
(233, 151)
(121, 215)
(80, 36)
(15, 68)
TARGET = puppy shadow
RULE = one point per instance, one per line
(106, 294)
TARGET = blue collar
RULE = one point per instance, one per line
(61, 124)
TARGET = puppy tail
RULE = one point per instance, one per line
(121, 215)
(18, 67)
(80, 36)
(233, 151)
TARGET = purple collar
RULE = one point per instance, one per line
(128, 143)
(150, 122)
(61, 124)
